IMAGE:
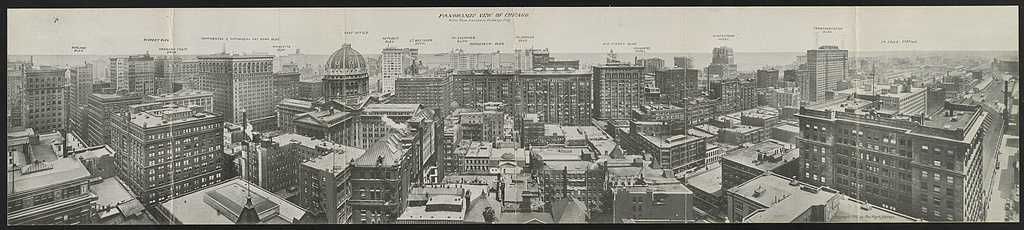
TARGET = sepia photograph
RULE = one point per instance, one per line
(513, 115)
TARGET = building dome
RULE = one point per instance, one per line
(346, 58)
(508, 156)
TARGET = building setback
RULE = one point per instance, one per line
(618, 88)
(928, 168)
(240, 83)
(168, 152)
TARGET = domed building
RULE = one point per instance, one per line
(346, 79)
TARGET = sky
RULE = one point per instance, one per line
(562, 30)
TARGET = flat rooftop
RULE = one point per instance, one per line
(708, 180)
(291, 138)
(111, 192)
(154, 118)
(195, 208)
(570, 165)
(950, 120)
(188, 93)
(785, 200)
(855, 211)
(747, 156)
(392, 107)
(839, 104)
(335, 161)
(669, 141)
(43, 174)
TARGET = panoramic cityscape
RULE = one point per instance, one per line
(512, 115)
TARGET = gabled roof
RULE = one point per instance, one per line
(476, 209)
(569, 210)
(388, 151)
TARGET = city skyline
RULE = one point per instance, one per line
(564, 116)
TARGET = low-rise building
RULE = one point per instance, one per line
(49, 193)
(745, 163)
(435, 205)
(227, 203)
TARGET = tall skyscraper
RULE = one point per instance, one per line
(395, 63)
(134, 74)
(168, 152)
(44, 99)
(240, 83)
(462, 61)
(722, 63)
(433, 92)
(78, 95)
(618, 89)
(676, 84)
(562, 97)
(170, 70)
(16, 93)
(825, 66)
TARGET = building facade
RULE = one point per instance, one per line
(395, 63)
(44, 99)
(168, 152)
(96, 115)
(618, 89)
(240, 83)
(825, 67)
(134, 74)
(562, 97)
(930, 168)
(677, 84)
(50, 193)
(433, 92)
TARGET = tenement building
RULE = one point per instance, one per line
(927, 167)
(167, 152)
